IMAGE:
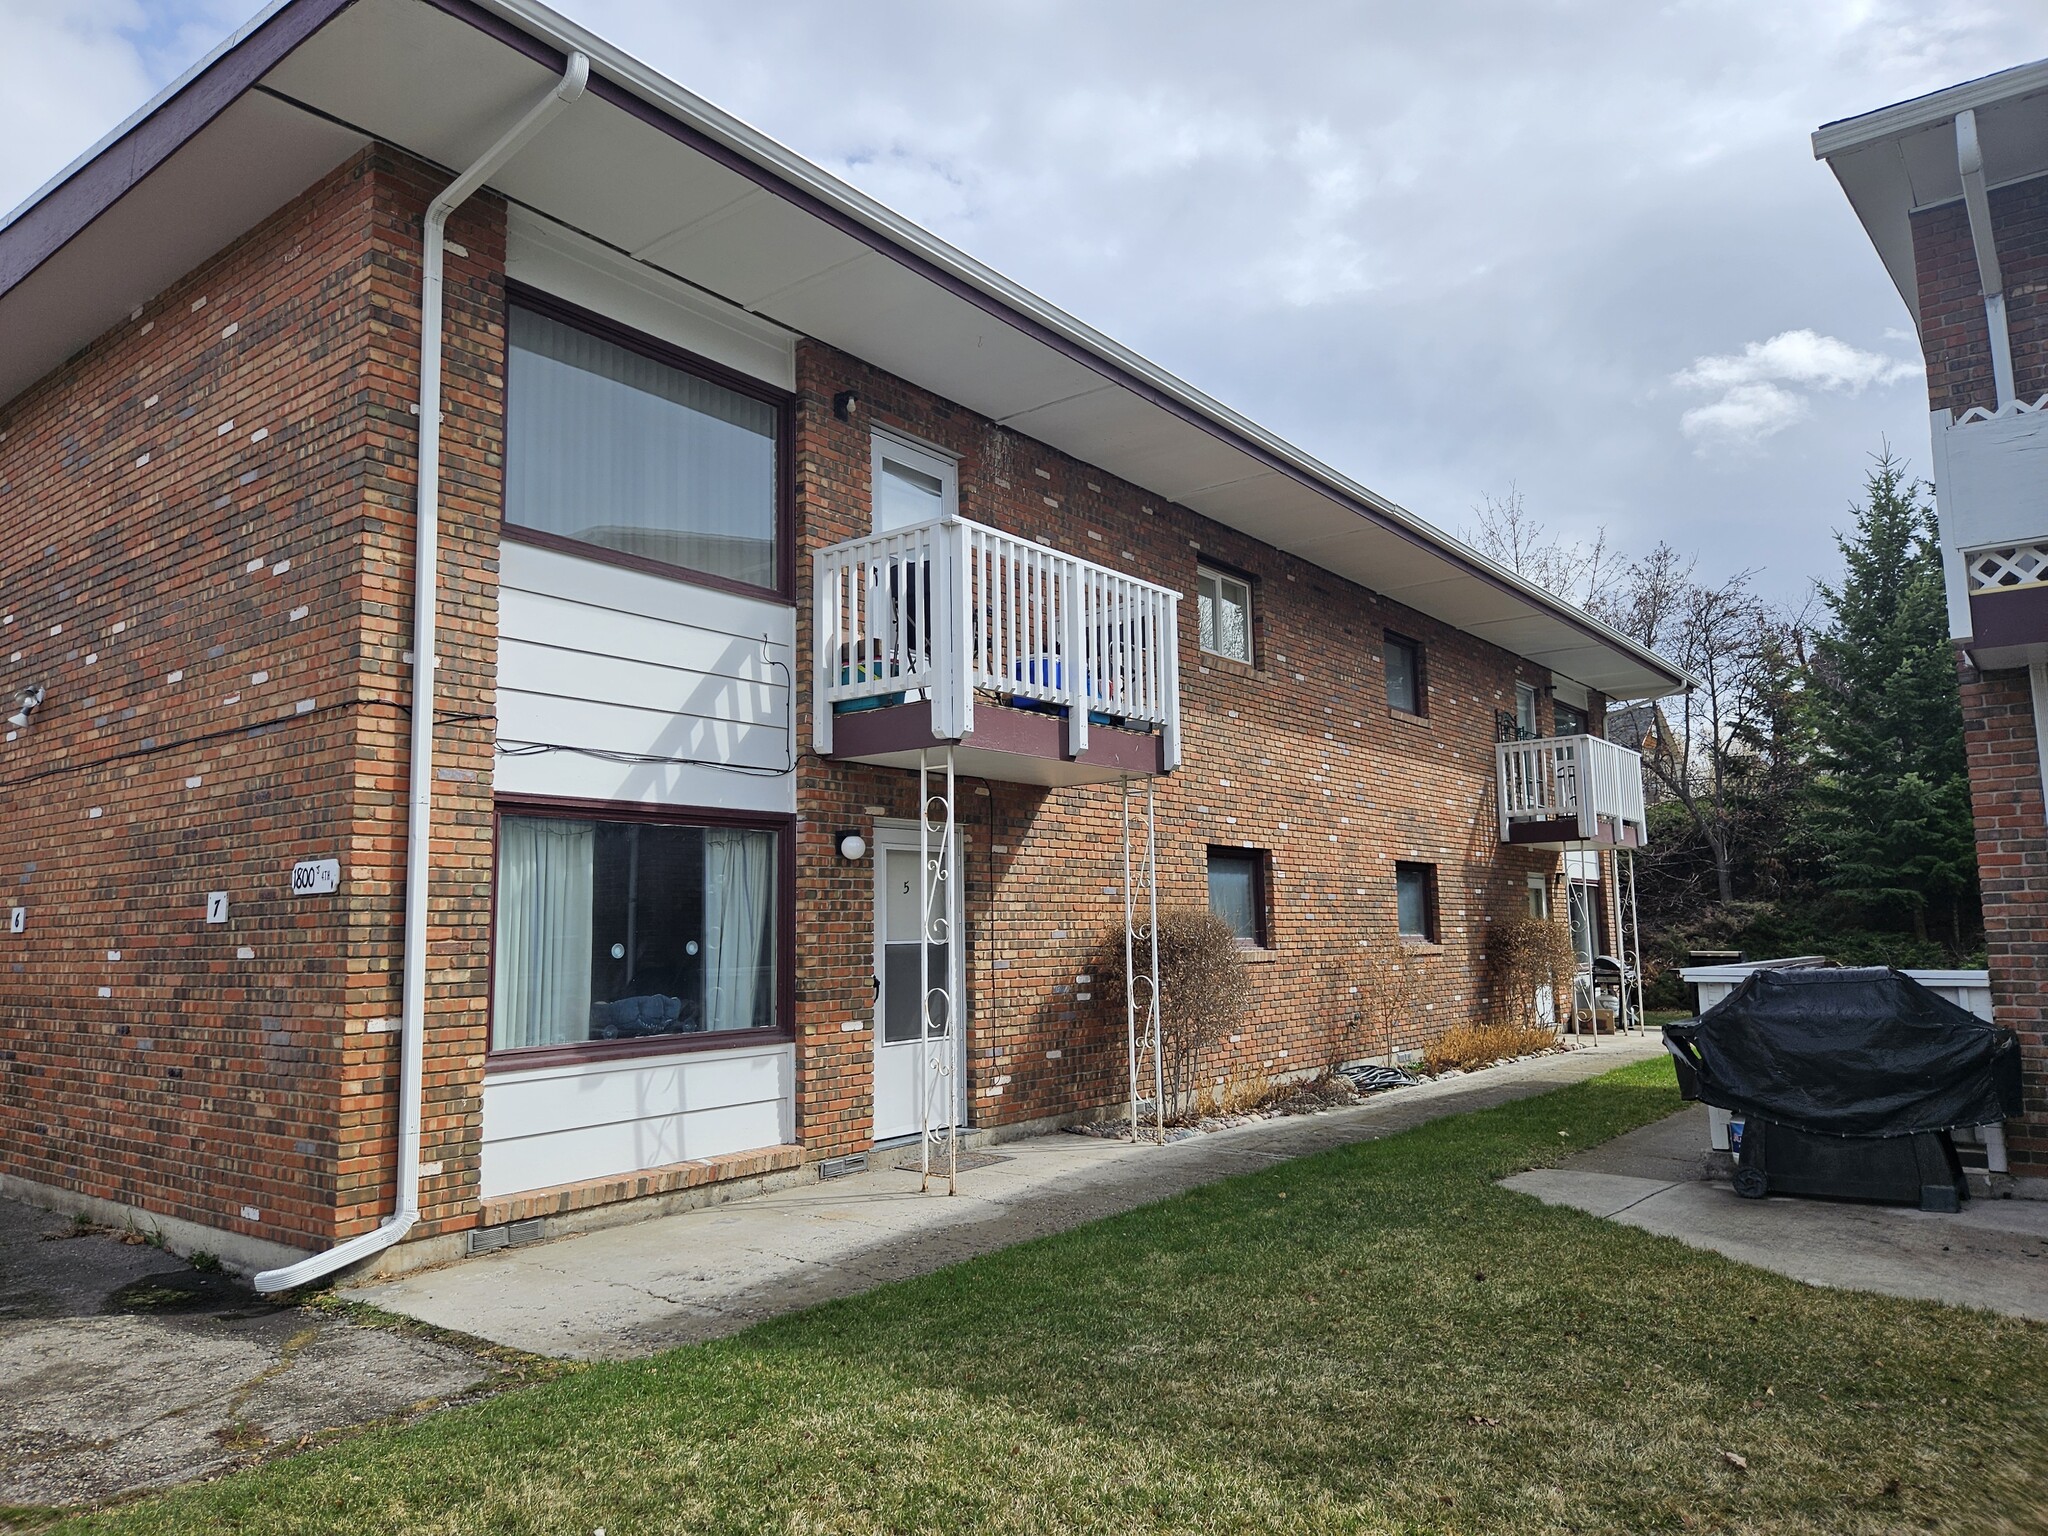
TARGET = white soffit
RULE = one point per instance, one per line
(1902, 158)
(548, 256)
(250, 160)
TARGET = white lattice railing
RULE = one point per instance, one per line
(2001, 570)
(1583, 779)
(947, 609)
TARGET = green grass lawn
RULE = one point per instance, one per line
(1375, 1339)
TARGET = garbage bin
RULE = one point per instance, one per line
(1847, 1083)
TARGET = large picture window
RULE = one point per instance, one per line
(623, 930)
(612, 447)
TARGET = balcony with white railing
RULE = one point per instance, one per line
(1568, 791)
(1037, 666)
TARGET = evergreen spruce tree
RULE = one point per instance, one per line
(1890, 800)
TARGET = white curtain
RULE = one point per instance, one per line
(542, 993)
(739, 924)
(608, 446)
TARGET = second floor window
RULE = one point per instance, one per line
(1571, 721)
(1404, 674)
(1225, 604)
(614, 447)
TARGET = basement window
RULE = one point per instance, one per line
(1237, 892)
(1415, 902)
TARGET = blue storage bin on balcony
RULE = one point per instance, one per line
(1046, 672)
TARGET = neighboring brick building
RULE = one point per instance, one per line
(651, 961)
(1953, 190)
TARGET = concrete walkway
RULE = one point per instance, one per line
(700, 1274)
(1992, 1254)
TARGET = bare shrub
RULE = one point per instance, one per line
(1244, 1089)
(1466, 1046)
(1372, 998)
(1524, 955)
(1204, 989)
(1391, 982)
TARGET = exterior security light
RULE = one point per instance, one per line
(844, 404)
(852, 847)
(30, 701)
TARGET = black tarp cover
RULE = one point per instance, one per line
(1866, 1052)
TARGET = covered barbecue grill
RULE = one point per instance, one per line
(1848, 1083)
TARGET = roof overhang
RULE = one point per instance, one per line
(653, 171)
(1900, 159)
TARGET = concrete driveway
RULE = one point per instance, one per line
(1992, 1254)
(697, 1275)
(123, 1368)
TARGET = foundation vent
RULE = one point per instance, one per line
(840, 1167)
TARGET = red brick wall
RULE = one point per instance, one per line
(1953, 332)
(205, 558)
(1299, 755)
(1998, 721)
(198, 596)
(2012, 861)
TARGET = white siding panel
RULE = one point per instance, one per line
(595, 658)
(565, 672)
(591, 1120)
(608, 727)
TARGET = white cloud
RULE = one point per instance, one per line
(1768, 385)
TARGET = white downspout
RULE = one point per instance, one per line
(1977, 203)
(420, 774)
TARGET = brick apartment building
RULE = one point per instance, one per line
(750, 496)
(1953, 191)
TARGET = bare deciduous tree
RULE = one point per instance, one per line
(1585, 575)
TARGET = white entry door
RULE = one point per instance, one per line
(904, 1065)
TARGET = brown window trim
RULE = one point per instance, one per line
(784, 590)
(519, 1058)
(1432, 932)
(1421, 709)
(1261, 943)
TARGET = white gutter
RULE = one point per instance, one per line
(420, 774)
(1977, 203)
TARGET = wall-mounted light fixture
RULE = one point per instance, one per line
(852, 847)
(31, 700)
(844, 404)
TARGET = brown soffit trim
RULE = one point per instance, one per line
(94, 185)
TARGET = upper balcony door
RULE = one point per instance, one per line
(911, 484)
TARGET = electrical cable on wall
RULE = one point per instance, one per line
(509, 747)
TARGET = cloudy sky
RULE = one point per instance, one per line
(1582, 250)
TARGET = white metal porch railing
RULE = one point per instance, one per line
(1571, 778)
(948, 608)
